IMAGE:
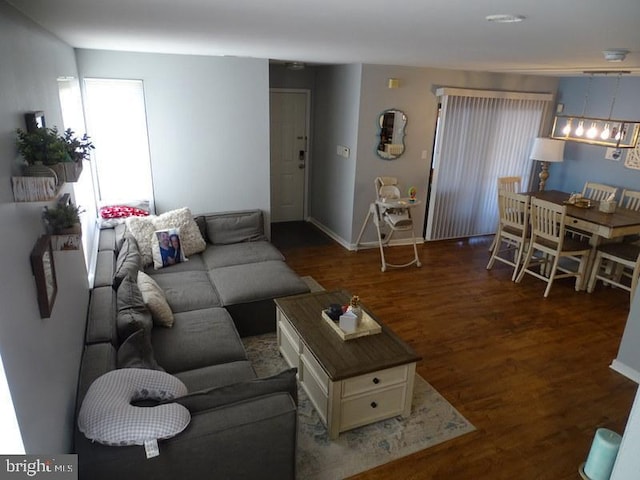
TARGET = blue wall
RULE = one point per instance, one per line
(584, 162)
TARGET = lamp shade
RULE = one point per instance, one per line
(547, 150)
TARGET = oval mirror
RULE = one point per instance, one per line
(391, 141)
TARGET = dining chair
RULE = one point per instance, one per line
(550, 242)
(613, 260)
(513, 230)
(630, 199)
(598, 191)
(508, 184)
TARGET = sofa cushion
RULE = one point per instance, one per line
(215, 397)
(217, 375)
(97, 359)
(129, 261)
(101, 321)
(186, 291)
(195, 263)
(216, 256)
(235, 227)
(108, 417)
(198, 339)
(105, 266)
(256, 281)
(155, 300)
(137, 352)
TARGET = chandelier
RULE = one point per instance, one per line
(606, 132)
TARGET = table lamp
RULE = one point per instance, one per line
(546, 150)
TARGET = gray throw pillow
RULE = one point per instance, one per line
(129, 294)
(129, 261)
(136, 352)
(215, 397)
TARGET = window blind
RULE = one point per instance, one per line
(481, 136)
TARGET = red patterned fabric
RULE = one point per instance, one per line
(122, 211)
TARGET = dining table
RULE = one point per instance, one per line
(600, 225)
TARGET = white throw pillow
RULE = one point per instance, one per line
(155, 300)
(108, 417)
(142, 229)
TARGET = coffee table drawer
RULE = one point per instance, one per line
(369, 408)
(374, 381)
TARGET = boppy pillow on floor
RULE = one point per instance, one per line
(107, 415)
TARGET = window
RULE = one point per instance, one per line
(117, 122)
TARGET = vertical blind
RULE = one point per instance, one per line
(482, 135)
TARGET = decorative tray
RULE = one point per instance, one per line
(578, 204)
(367, 326)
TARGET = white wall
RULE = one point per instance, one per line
(208, 122)
(41, 356)
(336, 106)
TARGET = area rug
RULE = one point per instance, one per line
(432, 421)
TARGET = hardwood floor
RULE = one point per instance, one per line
(531, 374)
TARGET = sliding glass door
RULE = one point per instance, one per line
(482, 135)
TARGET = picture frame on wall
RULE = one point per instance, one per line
(34, 120)
(45, 274)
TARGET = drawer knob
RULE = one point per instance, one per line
(376, 380)
(374, 404)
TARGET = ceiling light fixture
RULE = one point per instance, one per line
(615, 54)
(505, 18)
(294, 65)
(606, 132)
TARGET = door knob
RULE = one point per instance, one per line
(301, 166)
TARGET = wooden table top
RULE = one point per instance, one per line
(343, 359)
(622, 217)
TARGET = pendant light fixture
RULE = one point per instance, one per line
(597, 131)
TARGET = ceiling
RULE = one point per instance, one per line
(556, 38)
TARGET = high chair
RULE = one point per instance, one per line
(391, 211)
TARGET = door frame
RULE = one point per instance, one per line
(307, 143)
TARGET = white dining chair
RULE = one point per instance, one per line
(513, 230)
(598, 191)
(614, 263)
(549, 240)
(507, 184)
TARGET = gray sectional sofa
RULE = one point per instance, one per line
(240, 426)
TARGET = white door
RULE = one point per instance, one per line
(288, 154)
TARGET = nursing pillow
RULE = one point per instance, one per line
(108, 416)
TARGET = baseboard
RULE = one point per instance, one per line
(334, 236)
(362, 245)
(627, 371)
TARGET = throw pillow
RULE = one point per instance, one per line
(132, 311)
(192, 241)
(154, 299)
(215, 397)
(142, 228)
(128, 261)
(137, 352)
(223, 229)
(167, 248)
(107, 415)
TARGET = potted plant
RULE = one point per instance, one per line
(62, 153)
(63, 219)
